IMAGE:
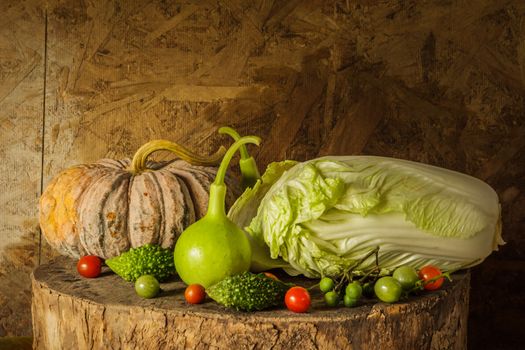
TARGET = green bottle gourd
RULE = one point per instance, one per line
(249, 171)
(214, 248)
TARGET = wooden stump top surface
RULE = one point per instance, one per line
(109, 289)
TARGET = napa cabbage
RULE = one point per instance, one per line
(321, 217)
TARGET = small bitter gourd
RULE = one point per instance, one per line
(148, 259)
(248, 292)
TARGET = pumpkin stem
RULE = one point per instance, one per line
(138, 164)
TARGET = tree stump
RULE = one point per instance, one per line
(72, 312)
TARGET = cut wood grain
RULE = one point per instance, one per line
(71, 312)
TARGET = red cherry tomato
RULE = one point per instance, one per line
(194, 294)
(89, 266)
(297, 299)
(429, 272)
(271, 275)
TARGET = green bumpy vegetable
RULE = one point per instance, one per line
(148, 259)
(248, 292)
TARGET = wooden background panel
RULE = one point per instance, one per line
(21, 97)
(117, 80)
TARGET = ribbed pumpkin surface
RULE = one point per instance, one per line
(103, 209)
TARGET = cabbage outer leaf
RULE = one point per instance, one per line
(323, 215)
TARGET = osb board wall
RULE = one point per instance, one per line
(22, 31)
(440, 82)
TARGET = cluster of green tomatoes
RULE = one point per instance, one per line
(332, 297)
(389, 289)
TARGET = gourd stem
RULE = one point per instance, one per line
(218, 188)
(138, 164)
(221, 173)
(249, 171)
(235, 136)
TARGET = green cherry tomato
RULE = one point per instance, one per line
(354, 290)
(349, 301)
(331, 299)
(368, 289)
(326, 284)
(147, 286)
(388, 289)
(407, 276)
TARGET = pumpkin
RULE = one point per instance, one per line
(109, 206)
